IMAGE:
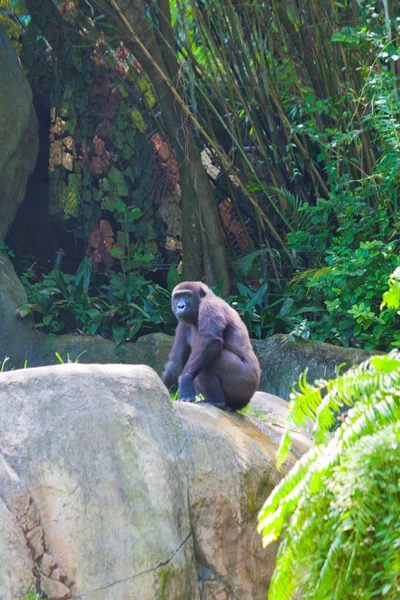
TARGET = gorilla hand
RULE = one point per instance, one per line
(187, 392)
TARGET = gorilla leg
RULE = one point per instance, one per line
(208, 383)
(239, 379)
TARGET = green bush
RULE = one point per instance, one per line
(349, 291)
(338, 509)
(33, 596)
(123, 308)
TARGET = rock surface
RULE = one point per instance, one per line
(231, 471)
(269, 413)
(110, 491)
(16, 337)
(19, 137)
(282, 361)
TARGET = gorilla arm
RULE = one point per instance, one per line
(178, 356)
(207, 346)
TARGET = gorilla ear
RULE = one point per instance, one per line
(202, 293)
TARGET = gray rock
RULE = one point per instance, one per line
(14, 552)
(19, 138)
(269, 413)
(136, 496)
(231, 473)
(16, 338)
(152, 350)
(282, 361)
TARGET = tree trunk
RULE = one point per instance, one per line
(202, 232)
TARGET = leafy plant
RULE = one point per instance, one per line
(122, 308)
(3, 364)
(62, 361)
(33, 596)
(4, 248)
(348, 292)
(338, 509)
(262, 320)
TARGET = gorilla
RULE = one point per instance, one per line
(211, 352)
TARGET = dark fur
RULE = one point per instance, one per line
(212, 352)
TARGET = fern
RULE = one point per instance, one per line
(297, 214)
(338, 508)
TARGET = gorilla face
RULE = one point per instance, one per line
(185, 306)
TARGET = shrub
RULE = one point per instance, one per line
(338, 509)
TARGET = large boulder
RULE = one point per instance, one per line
(19, 139)
(270, 414)
(151, 349)
(110, 491)
(16, 338)
(282, 361)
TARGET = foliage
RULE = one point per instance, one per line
(314, 138)
(69, 359)
(305, 146)
(348, 292)
(338, 508)
(3, 364)
(33, 596)
(105, 176)
(4, 248)
(12, 20)
(4, 367)
(122, 308)
(125, 306)
(263, 319)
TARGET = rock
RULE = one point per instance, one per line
(16, 564)
(47, 565)
(15, 334)
(151, 350)
(282, 361)
(136, 496)
(30, 519)
(59, 575)
(100, 449)
(231, 473)
(34, 539)
(269, 413)
(18, 133)
(54, 590)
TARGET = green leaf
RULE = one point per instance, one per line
(173, 278)
(117, 253)
(84, 273)
(119, 334)
(119, 205)
(286, 308)
(47, 319)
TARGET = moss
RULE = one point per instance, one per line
(252, 504)
(256, 498)
(164, 574)
(143, 83)
(138, 120)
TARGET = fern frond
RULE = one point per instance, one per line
(297, 217)
(245, 263)
(338, 508)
